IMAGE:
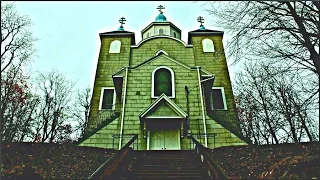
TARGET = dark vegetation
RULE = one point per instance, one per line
(67, 161)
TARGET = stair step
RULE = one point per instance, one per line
(170, 177)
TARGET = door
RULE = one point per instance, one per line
(164, 140)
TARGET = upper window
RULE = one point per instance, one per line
(115, 46)
(161, 32)
(148, 35)
(107, 99)
(207, 45)
(174, 34)
(163, 82)
(218, 100)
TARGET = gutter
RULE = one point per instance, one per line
(123, 108)
(203, 114)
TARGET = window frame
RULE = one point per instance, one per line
(205, 43)
(162, 32)
(223, 99)
(101, 98)
(172, 81)
(118, 48)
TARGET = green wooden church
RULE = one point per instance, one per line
(163, 89)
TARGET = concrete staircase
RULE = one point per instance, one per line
(161, 165)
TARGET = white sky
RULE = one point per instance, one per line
(68, 32)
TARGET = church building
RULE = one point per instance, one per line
(162, 89)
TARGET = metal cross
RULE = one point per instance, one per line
(160, 8)
(122, 20)
(200, 20)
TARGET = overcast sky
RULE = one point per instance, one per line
(68, 32)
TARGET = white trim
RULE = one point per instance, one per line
(202, 107)
(148, 140)
(101, 97)
(164, 117)
(207, 42)
(123, 106)
(172, 82)
(171, 103)
(115, 47)
(161, 51)
(223, 99)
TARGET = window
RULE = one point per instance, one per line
(163, 82)
(115, 46)
(174, 34)
(148, 35)
(218, 99)
(161, 32)
(107, 99)
(207, 45)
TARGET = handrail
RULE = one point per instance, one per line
(213, 167)
(108, 167)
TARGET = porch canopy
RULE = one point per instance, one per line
(163, 113)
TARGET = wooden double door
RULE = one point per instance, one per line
(164, 139)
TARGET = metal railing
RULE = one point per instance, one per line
(125, 136)
(213, 168)
(228, 121)
(102, 116)
(108, 167)
(208, 135)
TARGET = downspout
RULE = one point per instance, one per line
(123, 108)
(203, 114)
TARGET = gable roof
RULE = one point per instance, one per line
(171, 59)
(206, 32)
(119, 34)
(154, 106)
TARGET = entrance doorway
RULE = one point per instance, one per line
(164, 134)
(164, 140)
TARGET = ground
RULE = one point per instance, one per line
(283, 161)
(68, 161)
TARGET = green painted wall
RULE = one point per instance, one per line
(139, 86)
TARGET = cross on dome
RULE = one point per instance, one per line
(121, 21)
(200, 20)
(160, 8)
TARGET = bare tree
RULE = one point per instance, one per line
(272, 109)
(81, 110)
(16, 38)
(17, 104)
(275, 30)
(55, 105)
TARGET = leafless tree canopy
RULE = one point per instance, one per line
(43, 110)
(283, 31)
(272, 109)
(16, 38)
(278, 88)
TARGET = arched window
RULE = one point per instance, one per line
(174, 34)
(161, 32)
(163, 82)
(115, 46)
(207, 45)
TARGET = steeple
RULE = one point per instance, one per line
(200, 20)
(161, 17)
(121, 21)
(161, 27)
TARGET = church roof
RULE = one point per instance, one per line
(120, 34)
(203, 32)
(161, 18)
(158, 103)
